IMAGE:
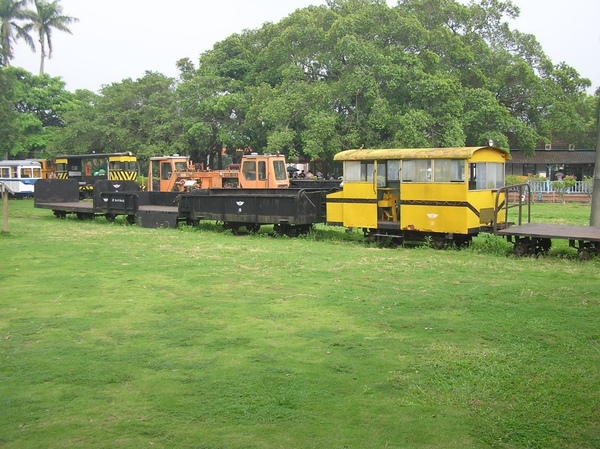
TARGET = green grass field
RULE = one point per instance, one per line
(116, 336)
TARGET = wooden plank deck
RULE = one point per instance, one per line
(75, 206)
(163, 209)
(553, 231)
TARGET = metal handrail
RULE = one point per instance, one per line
(523, 193)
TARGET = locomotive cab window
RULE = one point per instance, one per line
(262, 170)
(119, 165)
(249, 170)
(280, 170)
(180, 166)
(165, 171)
(124, 165)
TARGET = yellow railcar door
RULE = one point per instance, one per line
(388, 192)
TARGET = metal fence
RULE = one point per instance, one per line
(581, 187)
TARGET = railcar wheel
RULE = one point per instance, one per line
(585, 254)
(304, 229)
(130, 219)
(60, 214)
(292, 231)
(110, 217)
(253, 227)
(520, 249)
(588, 250)
(282, 228)
(233, 227)
(463, 241)
(542, 246)
(439, 243)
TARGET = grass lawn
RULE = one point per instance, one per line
(116, 336)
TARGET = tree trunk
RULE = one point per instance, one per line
(595, 215)
(42, 56)
(5, 208)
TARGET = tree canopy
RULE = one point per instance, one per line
(35, 107)
(354, 73)
(8, 115)
(350, 74)
(17, 22)
(13, 26)
(47, 17)
(140, 116)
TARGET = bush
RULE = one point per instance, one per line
(562, 186)
(491, 244)
(512, 180)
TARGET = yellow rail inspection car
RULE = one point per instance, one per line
(445, 195)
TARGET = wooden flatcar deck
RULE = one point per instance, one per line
(69, 207)
(553, 231)
(163, 209)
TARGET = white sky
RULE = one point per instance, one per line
(118, 39)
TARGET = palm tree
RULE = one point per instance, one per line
(10, 30)
(49, 16)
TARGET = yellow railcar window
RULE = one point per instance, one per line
(351, 171)
(381, 174)
(393, 170)
(448, 170)
(417, 170)
(486, 176)
(359, 171)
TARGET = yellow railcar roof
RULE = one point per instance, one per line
(414, 153)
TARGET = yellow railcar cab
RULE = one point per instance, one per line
(447, 194)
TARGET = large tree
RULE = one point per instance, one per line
(359, 72)
(8, 116)
(12, 13)
(39, 104)
(141, 116)
(47, 17)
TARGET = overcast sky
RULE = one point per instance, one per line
(118, 39)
